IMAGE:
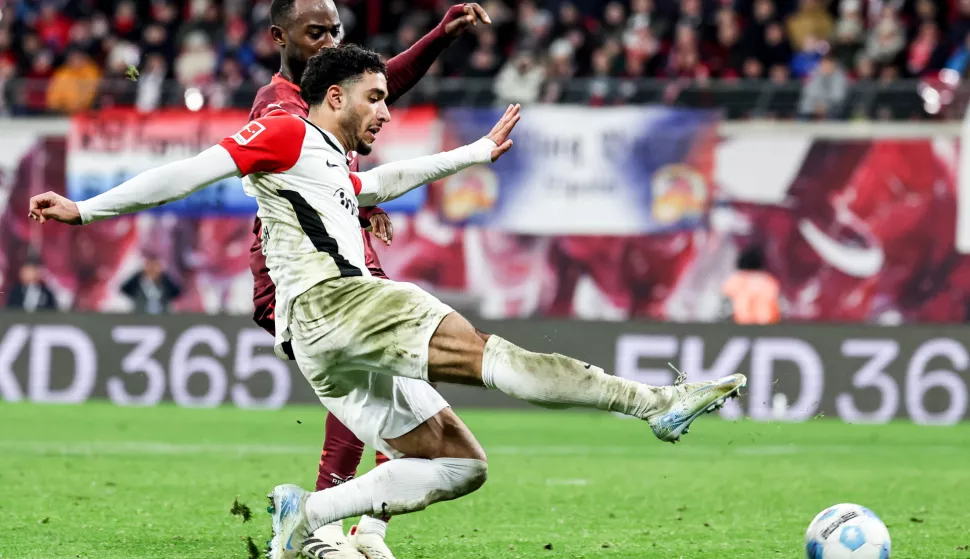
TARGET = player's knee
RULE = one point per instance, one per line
(468, 474)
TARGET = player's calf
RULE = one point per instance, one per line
(458, 353)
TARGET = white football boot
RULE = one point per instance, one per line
(371, 545)
(287, 504)
(329, 542)
(689, 400)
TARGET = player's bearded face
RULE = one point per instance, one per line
(366, 112)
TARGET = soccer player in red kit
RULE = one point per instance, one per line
(301, 28)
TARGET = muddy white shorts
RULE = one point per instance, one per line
(362, 343)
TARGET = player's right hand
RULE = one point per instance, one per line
(51, 205)
(500, 133)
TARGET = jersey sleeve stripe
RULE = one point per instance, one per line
(314, 228)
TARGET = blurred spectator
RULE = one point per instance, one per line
(752, 294)
(74, 85)
(825, 92)
(778, 74)
(926, 52)
(960, 25)
(196, 63)
(116, 89)
(753, 69)
(808, 57)
(159, 40)
(728, 55)
(777, 51)
(643, 13)
(864, 69)
(756, 31)
(692, 16)
(642, 51)
(811, 20)
(928, 11)
(484, 60)
(151, 83)
(124, 25)
(850, 32)
(81, 39)
(887, 38)
(520, 80)
(34, 94)
(52, 27)
(30, 293)
(152, 290)
(228, 90)
(559, 70)
(535, 26)
(614, 21)
(7, 70)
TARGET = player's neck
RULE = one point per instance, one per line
(329, 122)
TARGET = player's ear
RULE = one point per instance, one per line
(336, 96)
(278, 36)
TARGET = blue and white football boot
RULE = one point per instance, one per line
(689, 400)
(290, 526)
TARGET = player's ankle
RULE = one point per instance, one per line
(371, 525)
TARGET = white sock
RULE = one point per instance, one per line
(557, 381)
(371, 525)
(397, 487)
(331, 531)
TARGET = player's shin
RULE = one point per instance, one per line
(397, 487)
(558, 381)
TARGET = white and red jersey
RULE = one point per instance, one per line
(300, 177)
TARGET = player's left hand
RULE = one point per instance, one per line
(380, 226)
(500, 132)
(51, 205)
(469, 16)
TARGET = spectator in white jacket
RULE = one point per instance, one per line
(519, 80)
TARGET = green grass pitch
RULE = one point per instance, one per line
(103, 482)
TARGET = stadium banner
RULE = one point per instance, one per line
(855, 229)
(106, 148)
(576, 171)
(796, 372)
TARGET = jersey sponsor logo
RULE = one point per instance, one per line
(349, 203)
(248, 133)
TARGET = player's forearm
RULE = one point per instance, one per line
(160, 185)
(405, 70)
(393, 180)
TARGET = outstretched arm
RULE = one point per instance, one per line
(393, 180)
(390, 181)
(152, 188)
(407, 68)
(267, 145)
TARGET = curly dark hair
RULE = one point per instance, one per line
(337, 66)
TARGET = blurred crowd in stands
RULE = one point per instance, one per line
(69, 55)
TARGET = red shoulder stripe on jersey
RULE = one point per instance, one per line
(271, 144)
(355, 180)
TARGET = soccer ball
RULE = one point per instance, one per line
(847, 531)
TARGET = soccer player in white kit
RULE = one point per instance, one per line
(340, 321)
